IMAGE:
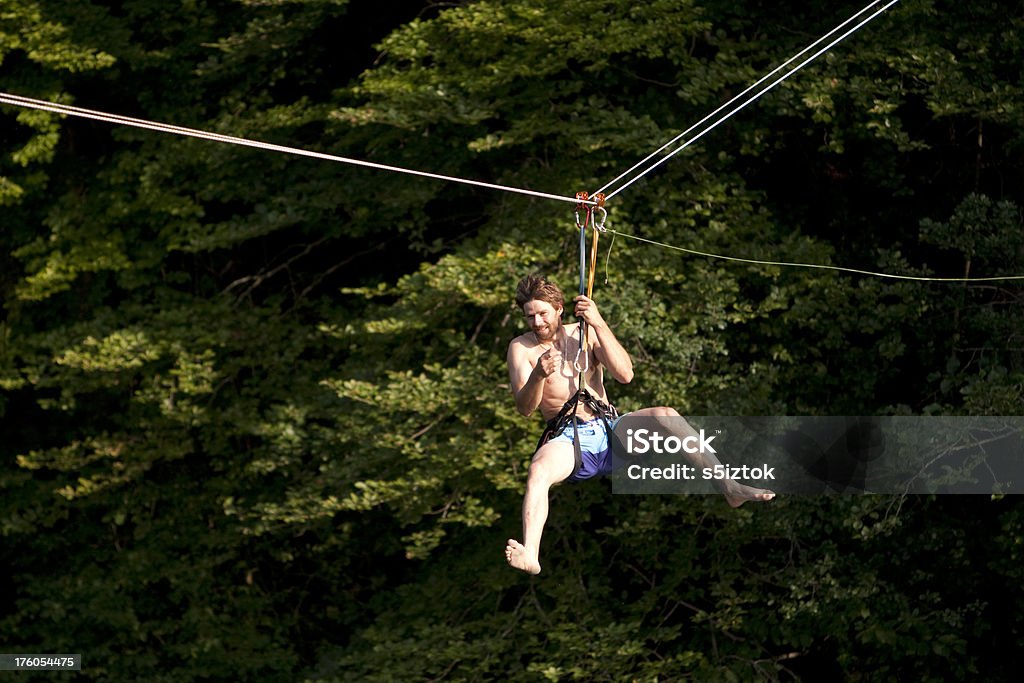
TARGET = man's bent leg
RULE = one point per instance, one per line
(735, 493)
(553, 463)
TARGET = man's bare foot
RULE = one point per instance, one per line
(518, 557)
(738, 494)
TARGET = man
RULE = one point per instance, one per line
(542, 370)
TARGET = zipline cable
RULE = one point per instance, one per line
(66, 110)
(761, 80)
(747, 102)
(739, 108)
(817, 265)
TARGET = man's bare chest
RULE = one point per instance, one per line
(565, 381)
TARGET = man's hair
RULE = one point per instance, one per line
(539, 288)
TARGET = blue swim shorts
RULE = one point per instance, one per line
(595, 457)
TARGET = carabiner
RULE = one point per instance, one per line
(580, 351)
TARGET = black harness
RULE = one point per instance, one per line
(567, 416)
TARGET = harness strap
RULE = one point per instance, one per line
(581, 349)
(567, 415)
(594, 216)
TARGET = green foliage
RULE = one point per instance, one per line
(257, 418)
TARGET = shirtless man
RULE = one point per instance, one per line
(542, 374)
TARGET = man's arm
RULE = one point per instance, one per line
(527, 380)
(606, 346)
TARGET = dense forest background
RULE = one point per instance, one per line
(256, 420)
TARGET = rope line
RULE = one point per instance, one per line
(66, 110)
(818, 265)
(761, 80)
(116, 119)
(750, 100)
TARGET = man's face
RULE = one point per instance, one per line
(543, 318)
